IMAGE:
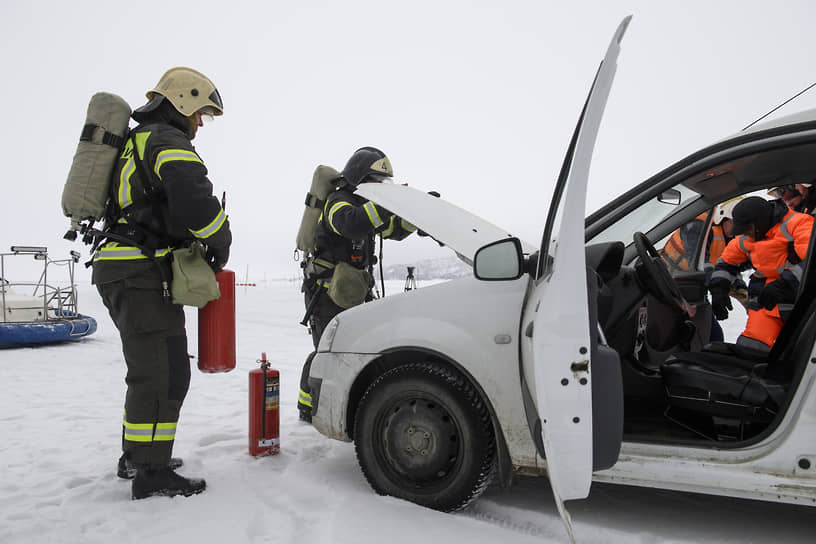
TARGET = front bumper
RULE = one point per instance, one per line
(330, 379)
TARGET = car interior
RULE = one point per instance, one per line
(679, 386)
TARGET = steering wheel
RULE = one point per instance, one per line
(655, 274)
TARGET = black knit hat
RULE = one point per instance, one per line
(752, 211)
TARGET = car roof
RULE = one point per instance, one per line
(804, 116)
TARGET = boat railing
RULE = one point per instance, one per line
(49, 301)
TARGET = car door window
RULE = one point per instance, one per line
(680, 250)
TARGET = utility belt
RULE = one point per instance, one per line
(315, 269)
(139, 236)
(345, 284)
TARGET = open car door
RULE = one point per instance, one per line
(556, 340)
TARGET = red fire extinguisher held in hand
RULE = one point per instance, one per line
(264, 410)
(216, 327)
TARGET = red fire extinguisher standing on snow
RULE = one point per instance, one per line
(264, 413)
(216, 327)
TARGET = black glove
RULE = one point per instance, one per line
(434, 193)
(720, 301)
(217, 257)
(776, 292)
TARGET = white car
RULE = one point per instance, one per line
(582, 359)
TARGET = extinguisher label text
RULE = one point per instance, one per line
(272, 393)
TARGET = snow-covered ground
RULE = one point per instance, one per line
(60, 416)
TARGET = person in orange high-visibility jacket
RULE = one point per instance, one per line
(799, 197)
(683, 242)
(774, 240)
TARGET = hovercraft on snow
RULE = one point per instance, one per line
(37, 313)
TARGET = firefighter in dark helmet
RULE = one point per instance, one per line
(161, 200)
(338, 273)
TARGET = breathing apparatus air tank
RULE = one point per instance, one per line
(100, 143)
(324, 180)
(216, 327)
(264, 410)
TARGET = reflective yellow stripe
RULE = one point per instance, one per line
(333, 210)
(169, 155)
(112, 251)
(165, 432)
(390, 230)
(212, 228)
(136, 438)
(305, 398)
(138, 432)
(124, 194)
(408, 226)
(141, 143)
(125, 198)
(149, 432)
(137, 426)
(373, 216)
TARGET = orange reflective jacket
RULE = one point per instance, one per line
(780, 254)
(676, 256)
(770, 256)
(674, 253)
(717, 245)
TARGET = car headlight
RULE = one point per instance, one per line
(328, 335)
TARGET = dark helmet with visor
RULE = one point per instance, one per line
(367, 164)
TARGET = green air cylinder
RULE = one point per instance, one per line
(101, 141)
(325, 180)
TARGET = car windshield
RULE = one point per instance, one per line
(645, 217)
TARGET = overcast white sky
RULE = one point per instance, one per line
(474, 99)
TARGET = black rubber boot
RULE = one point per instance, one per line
(164, 482)
(305, 413)
(127, 471)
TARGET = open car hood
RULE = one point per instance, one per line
(458, 229)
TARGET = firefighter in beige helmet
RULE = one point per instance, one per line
(163, 200)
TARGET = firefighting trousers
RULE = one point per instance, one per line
(154, 344)
(322, 312)
(763, 326)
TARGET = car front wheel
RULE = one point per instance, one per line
(422, 433)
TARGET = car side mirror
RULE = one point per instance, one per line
(499, 261)
(669, 196)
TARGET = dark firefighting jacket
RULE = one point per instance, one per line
(176, 205)
(346, 231)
